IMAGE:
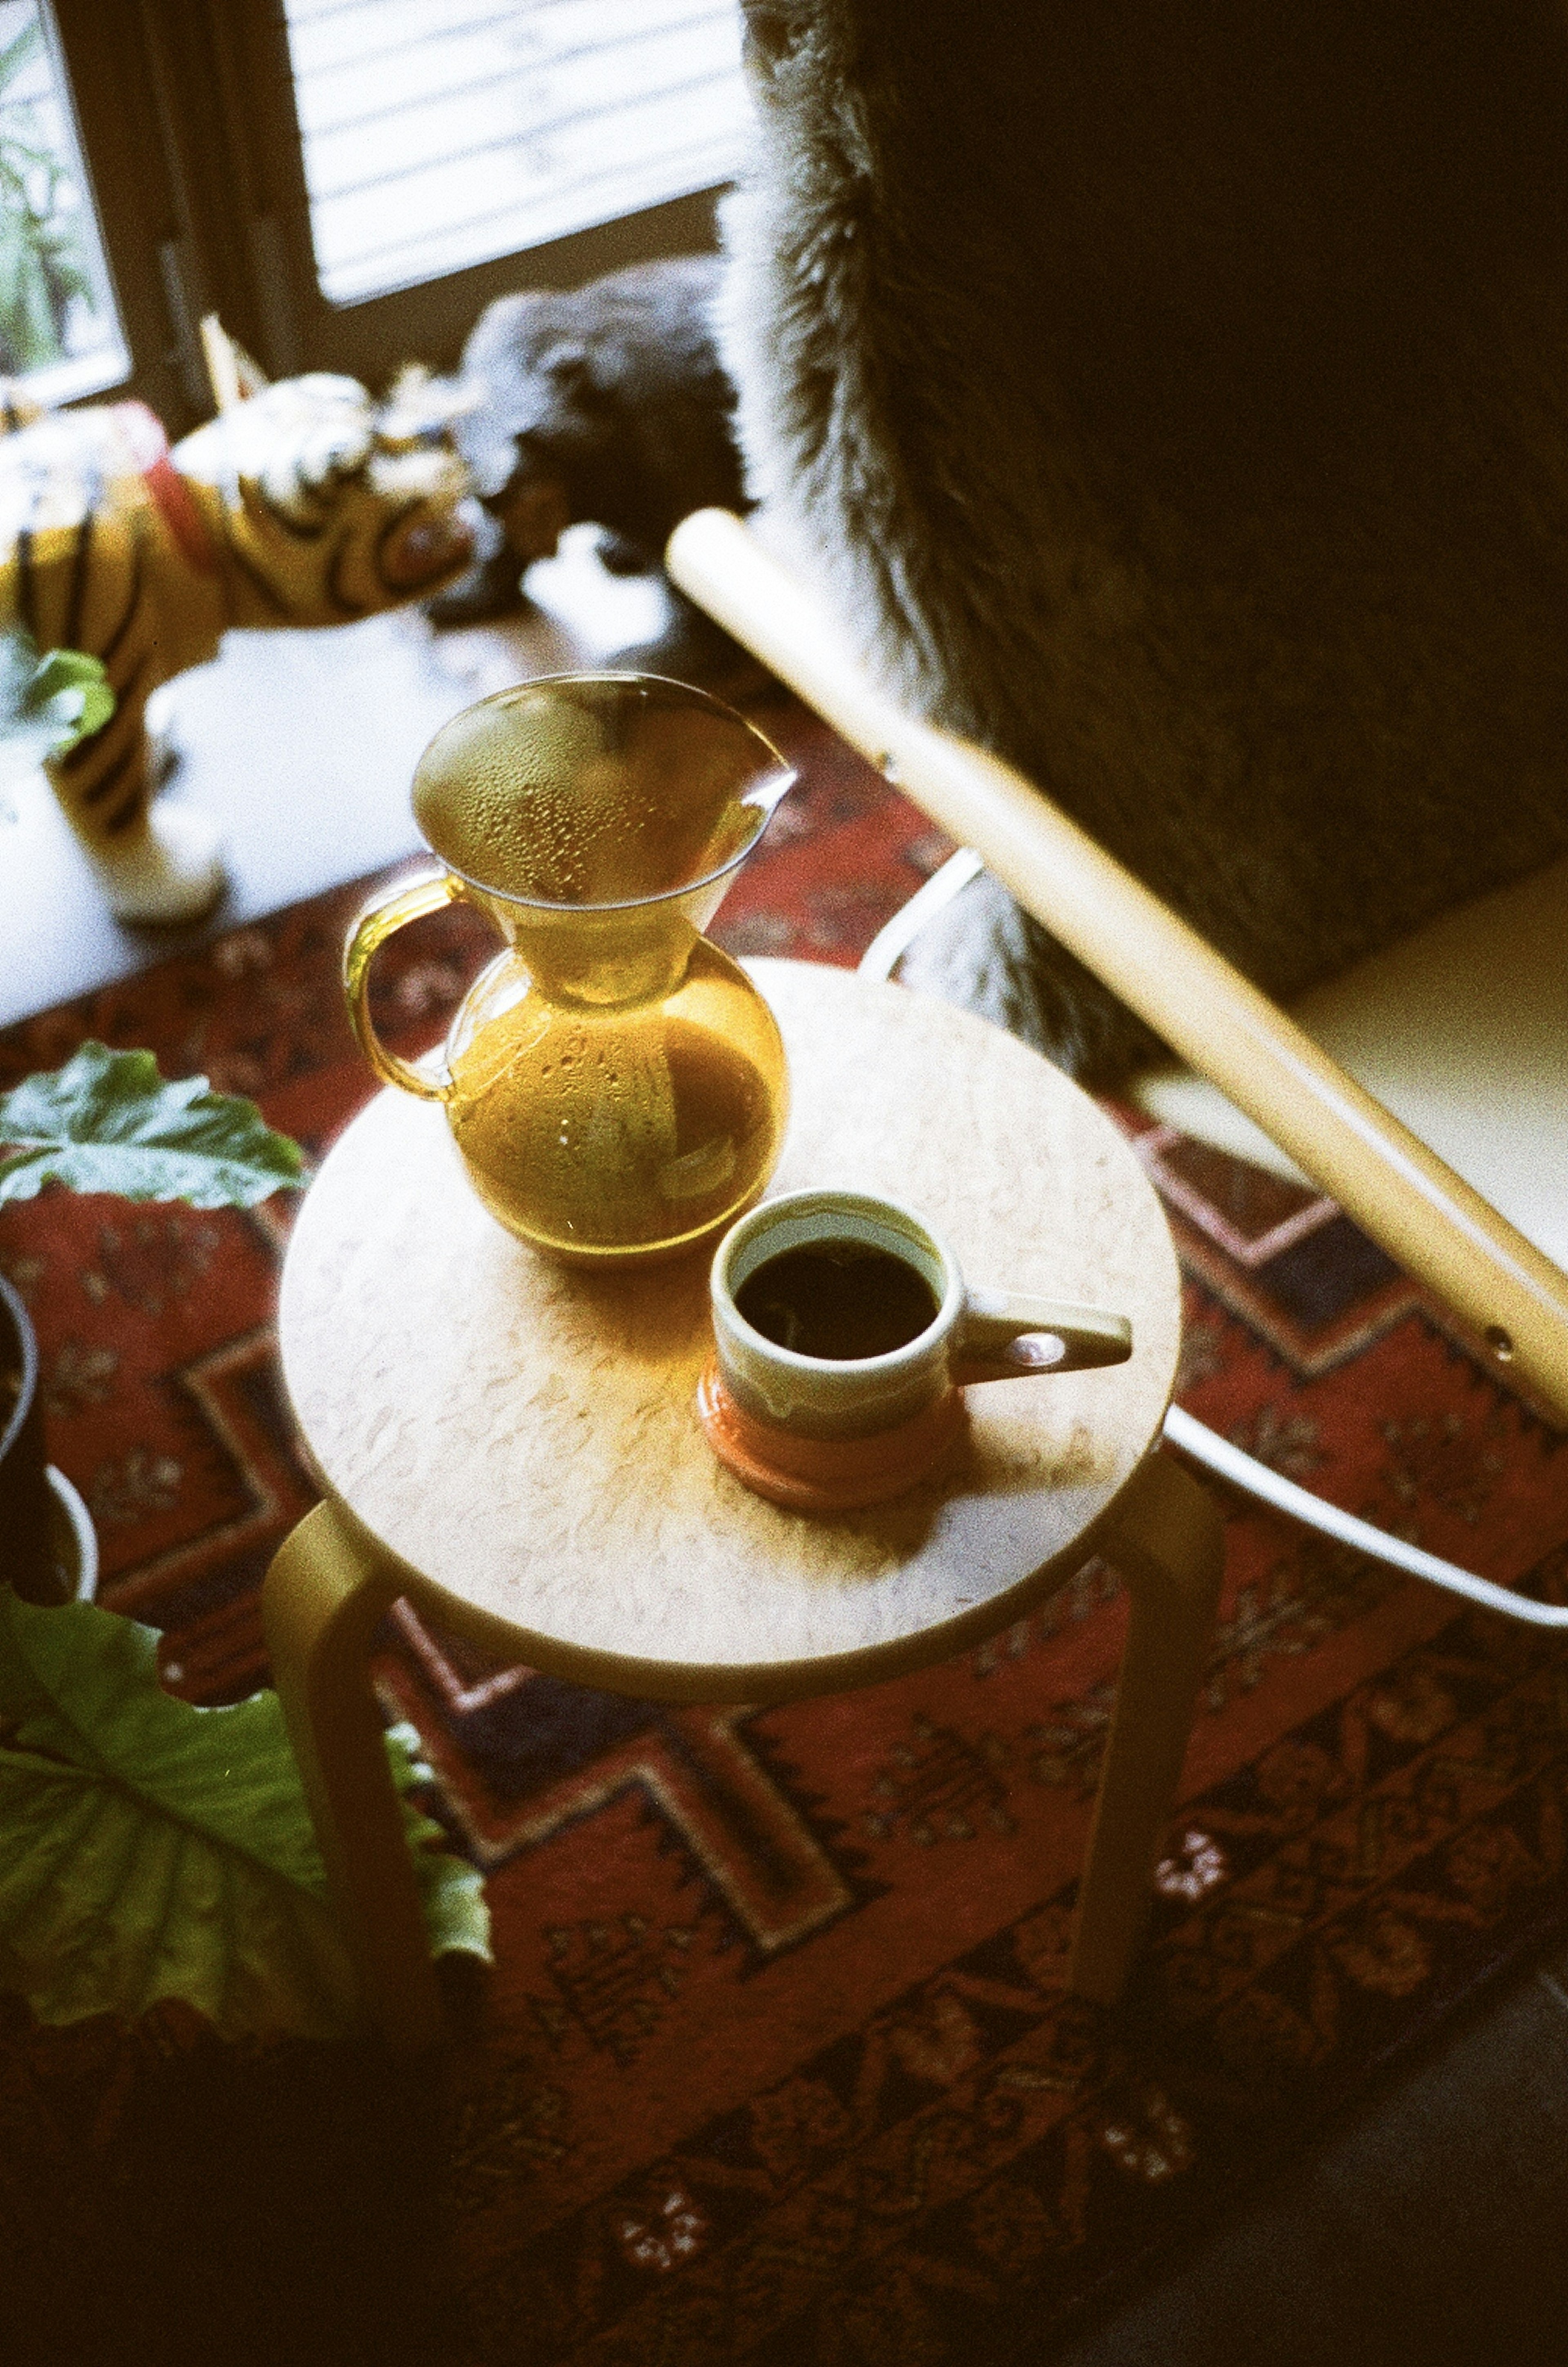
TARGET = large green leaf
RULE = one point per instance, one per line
(151, 1850)
(106, 1122)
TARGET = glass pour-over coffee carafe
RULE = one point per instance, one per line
(616, 1085)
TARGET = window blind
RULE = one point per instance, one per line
(441, 133)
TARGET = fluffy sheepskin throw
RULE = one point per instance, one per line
(1171, 395)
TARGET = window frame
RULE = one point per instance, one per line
(192, 139)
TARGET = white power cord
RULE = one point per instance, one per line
(880, 960)
(891, 943)
(1228, 1462)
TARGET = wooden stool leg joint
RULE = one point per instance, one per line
(322, 1600)
(1168, 1544)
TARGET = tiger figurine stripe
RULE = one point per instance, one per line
(305, 504)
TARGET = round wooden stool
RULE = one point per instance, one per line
(515, 1446)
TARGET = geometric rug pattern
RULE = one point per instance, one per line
(776, 2062)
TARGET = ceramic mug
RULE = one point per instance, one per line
(828, 1431)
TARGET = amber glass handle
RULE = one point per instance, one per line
(375, 925)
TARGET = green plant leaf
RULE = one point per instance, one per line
(20, 53)
(46, 704)
(151, 1850)
(106, 1122)
(69, 696)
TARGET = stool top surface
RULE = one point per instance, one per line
(523, 1436)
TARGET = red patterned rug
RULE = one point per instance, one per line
(775, 2063)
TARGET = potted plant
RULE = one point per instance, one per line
(25, 1494)
(106, 1781)
(47, 1548)
(106, 1122)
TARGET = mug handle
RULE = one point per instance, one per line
(379, 921)
(994, 1320)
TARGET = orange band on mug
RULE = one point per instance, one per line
(826, 1475)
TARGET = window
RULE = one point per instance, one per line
(348, 183)
(441, 133)
(59, 327)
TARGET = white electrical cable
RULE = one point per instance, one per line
(1228, 1462)
(882, 957)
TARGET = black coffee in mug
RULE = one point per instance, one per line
(838, 1299)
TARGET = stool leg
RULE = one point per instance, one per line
(1168, 1544)
(322, 1601)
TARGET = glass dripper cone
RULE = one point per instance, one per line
(596, 790)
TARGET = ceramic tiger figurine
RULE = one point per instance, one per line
(304, 505)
